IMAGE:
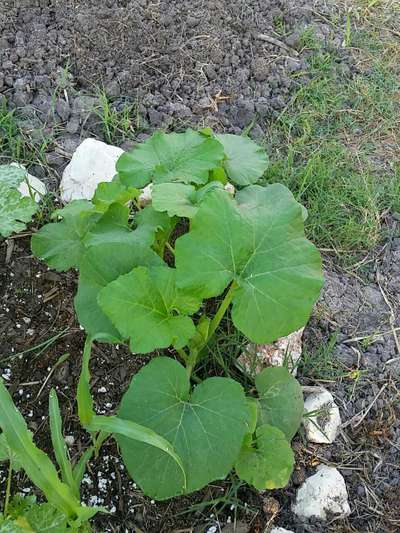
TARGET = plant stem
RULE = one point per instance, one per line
(219, 315)
(167, 245)
(182, 354)
(194, 355)
(8, 489)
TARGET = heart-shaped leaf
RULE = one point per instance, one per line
(184, 157)
(206, 428)
(268, 462)
(12, 175)
(277, 270)
(15, 210)
(179, 199)
(144, 305)
(280, 401)
(97, 271)
(245, 161)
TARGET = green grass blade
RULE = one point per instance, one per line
(84, 397)
(80, 467)
(59, 446)
(127, 428)
(34, 461)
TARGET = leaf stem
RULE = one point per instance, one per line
(184, 356)
(167, 245)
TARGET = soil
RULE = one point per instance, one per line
(181, 63)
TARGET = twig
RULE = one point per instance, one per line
(278, 43)
(392, 317)
(352, 420)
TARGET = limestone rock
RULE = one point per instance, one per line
(286, 350)
(322, 495)
(92, 162)
(323, 427)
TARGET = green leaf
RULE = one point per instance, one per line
(245, 161)
(6, 454)
(111, 192)
(80, 228)
(36, 463)
(97, 271)
(15, 210)
(277, 270)
(45, 518)
(181, 200)
(175, 198)
(106, 424)
(184, 157)
(52, 241)
(57, 439)
(12, 176)
(280, 401)
(143, 306)
(268, 463)
(206, 427)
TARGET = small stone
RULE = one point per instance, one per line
(323, 494)
(285, 351)
(92, 163)
(69, 440)
(323, 426)
(281, 530)
(229, 187)
(271, 506)
(35, 186)
(146, 195)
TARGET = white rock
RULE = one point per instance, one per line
(286, 350)
(323, 426)
(92, 162)
(281, 530)
(146, 195)
(230, 188)
(322, 494)
(36, 186)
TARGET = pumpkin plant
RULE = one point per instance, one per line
(145, 276)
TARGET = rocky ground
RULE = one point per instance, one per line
(231, 65)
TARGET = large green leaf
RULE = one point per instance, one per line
(206, 428)
(101, 264)
(62, 244)
(276, 269)
(184, 157)
(268, 462)
(15, 210)
(280, 401)
(144, 306)
(12, 176)
(245, 161)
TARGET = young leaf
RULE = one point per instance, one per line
(268, 463)
(97, 271)
(184, 157)
(25, 515)
(245, 161)
(153, 225)
(57, 439)
(15, 210)
(277, 270)
(12, 176)
(111, 192)
(181, 200)
(206, 427)
(143, 306)
(280, 401)
(36, 463)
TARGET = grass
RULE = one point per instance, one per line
(118, 124)
(336, 145)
